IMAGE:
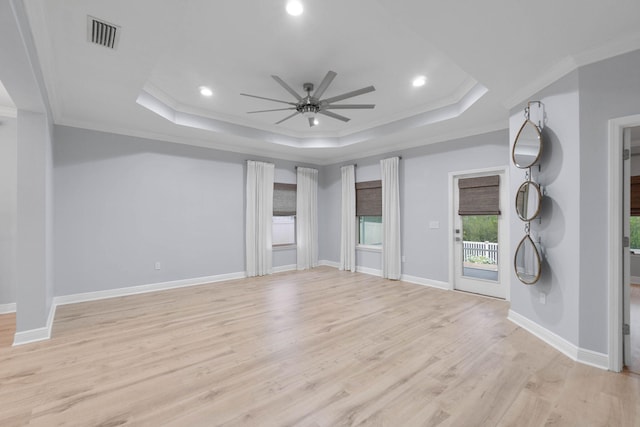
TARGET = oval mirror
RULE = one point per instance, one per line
(527, 147)
(528, 200)
(527, 261)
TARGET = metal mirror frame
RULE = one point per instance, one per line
(526, 123)
(539, 197)
(538, 260)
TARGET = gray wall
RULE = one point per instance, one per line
(34, 250)
(123, 203)
(574, 228)
(559, 229)
(8, 183)
(424, 197)
(608, 89)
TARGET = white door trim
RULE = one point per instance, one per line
(505, 212)
(616, 127)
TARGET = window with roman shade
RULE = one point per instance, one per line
(284, 199)
(284, 214)
(369, 212)
(369, 198)
(479, 196)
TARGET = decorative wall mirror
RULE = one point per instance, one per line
(526, 152)
(528, 200)
(527, 261)
(527, 147)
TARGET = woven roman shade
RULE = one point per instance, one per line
(284, 199)
(479, 196)
(635, 195)
(369, 198)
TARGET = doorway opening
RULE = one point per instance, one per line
(631, 223)
(624, 330)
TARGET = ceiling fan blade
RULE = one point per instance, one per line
(287, 87)
(312, 122)
(324, 84)
(266, 111)
(287, 118)
(334, 115)
(349, 94)
(268, 99)
(347, 106)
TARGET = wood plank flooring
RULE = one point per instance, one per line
(312, 349)
(7, 329)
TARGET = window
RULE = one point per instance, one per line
(369, 212)
(284, 214)
(370, 230)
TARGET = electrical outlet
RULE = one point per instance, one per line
(157, 265)
(404, 259)
(542, 298)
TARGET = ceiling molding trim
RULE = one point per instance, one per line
(44, 47)
(555, 73)
(295, 156)
(572, 63)
(608, 50)
(170, 113)
(191, 141)
(420, 142)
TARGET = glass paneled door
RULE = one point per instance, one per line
(479, 226)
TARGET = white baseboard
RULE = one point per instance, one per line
(141, 289)
(593, 358)
(371, 271)
(283, 268)
(38, 334)
(328, 263)
(44, 333)
(634, 280)
(588, 357)
(425, 282)
(8, 308)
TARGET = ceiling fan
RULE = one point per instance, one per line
(311, 104)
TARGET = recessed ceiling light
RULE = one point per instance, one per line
(205, 91)
(419, 81)
(294, 7)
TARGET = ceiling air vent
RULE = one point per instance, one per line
(102, 33)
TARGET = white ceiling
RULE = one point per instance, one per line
(480, 58)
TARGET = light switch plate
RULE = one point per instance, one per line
(434, 224)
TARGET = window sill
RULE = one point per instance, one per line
(283, 247)
(369, 248)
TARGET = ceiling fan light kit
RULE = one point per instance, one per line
(312, 104)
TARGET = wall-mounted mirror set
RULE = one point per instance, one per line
(526, 153)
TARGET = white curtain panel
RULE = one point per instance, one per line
(307, 218)
(391, 256)
(348, 228)
(259, 218)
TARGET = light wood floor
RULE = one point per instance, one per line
(311, 349)
(7, 329)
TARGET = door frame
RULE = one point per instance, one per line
(614, 247)
(505, 213)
